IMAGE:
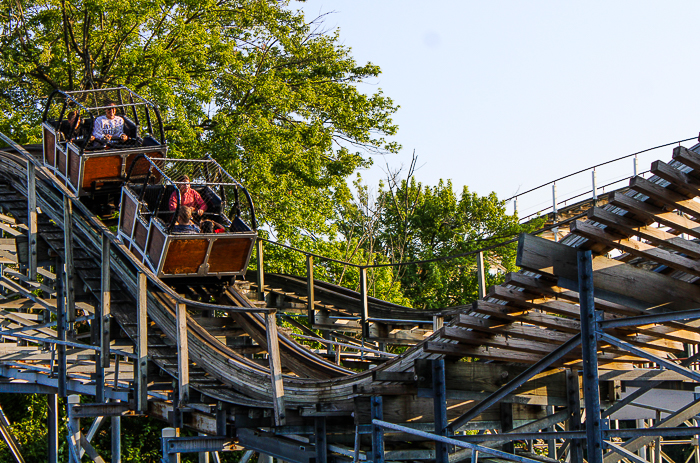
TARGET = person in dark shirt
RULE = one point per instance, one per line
(70, 127)
(184, 222)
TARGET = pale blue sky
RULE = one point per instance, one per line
(505, 95)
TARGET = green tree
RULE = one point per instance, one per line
(270, 95)
(408, 222)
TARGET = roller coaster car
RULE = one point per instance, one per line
(149, 206)
(89, 167)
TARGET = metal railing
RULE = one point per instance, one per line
(591, 190)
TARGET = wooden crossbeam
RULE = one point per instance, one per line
(654, 235)
(611, 278)
(636, 248)
(665, 196)
(687, 157)
(644, 211)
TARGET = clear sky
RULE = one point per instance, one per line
(505, 95)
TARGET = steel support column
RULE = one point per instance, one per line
(439, 409)
(116, 439)
(61, 371)
(589, 335)
(68, 259)
(321, 440)
(52, 425)
(573, 393)
(377, 411)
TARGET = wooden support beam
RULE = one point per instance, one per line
(655, 235)
(273, 351)
(665, 196)
(105, 301)
(648, 212)
(687, 157)
(141, 363)
(673, 331)
(683, 183)
(183, 355)
(636, 248)
(611, 277)
(32, 220)
(68, 251)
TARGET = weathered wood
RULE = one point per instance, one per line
(687, 157)
(105, 301)
(680, 181)
(655, 235)
(141, 363)
(610, 277)
(310, 309)
(637, 248)
(183, 357)
(489, 377)
(32, 219)
(68, 250)
(665, 196)
(651, 213)
(273, 351)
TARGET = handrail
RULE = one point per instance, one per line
(597, 165)
(116, 242)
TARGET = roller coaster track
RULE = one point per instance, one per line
(526, 334)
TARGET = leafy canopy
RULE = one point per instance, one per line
(269, 94)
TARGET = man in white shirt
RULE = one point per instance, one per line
(110, 126)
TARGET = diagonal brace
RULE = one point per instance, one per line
(516, 382)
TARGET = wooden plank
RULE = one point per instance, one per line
(68, 258)
(141, 363)
(273, 351)
(610, 277)
(674, 331)
(464, 336)
(515, 314)
(636, 248)
(491, 326)
(489, 377)
(105, 301)
(652, 213)
(665, 196)
(486, 353)
(682, 182)
(687, 157)
(183, 355)
(655, 235)
(32, 218)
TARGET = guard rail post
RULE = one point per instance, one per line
(480, 274)
(261, 269)
(636, 164)
(365, 306)
(595, 186)
(311, 312)
(555, 230)
(31, 221)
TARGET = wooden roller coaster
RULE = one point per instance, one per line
(589, 352)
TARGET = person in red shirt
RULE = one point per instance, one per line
(188, 197)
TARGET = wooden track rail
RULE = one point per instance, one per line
(206, 356)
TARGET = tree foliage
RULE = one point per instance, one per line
(269, 94)
(409, 223)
